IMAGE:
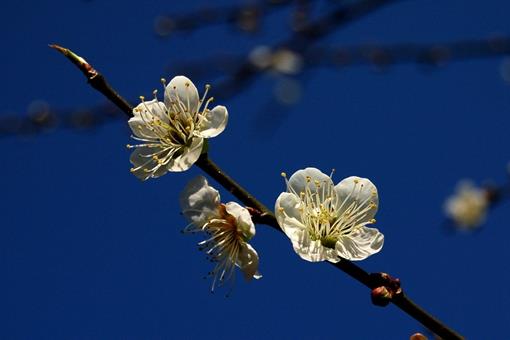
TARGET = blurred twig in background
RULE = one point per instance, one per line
(247, 18)
(289, 59)
(42, 117)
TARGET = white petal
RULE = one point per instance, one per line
(188, 157)
(140, 128)
(307, 178)
(151, 108)
(213, 122)
(181, 89)
(147, 112)
(289, 218)
(248, 262)
(360, 244)
(145, 167)
(243, 219)
(357, 189)
(199, 201)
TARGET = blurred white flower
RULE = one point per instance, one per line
(467, 207)
(287, 61)
(282, 61)
(172, 132)
(326, 221)
(229, 228)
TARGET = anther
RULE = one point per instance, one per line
(142, 98)
(163, 81)
(283, 174)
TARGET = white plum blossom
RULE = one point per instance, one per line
(229, 228)
(172, 132)
(326, 221)
(468, 206)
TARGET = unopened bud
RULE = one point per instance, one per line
(81, 63)
(381, 296)
(417, 336)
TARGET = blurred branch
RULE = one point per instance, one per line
(431, 54)
(301, 40)
(43, 118)
(246, 17)
(242, 72)
(372, 281)
(435, 54)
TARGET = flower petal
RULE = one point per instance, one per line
(213, 122)
(248, 262)
(359, 245)
(182, 90)
(188, 157)
(144, 113)
(144, 166)
(289, 218)
(199, 202)
(360, 191)
(243, 219)
(306, 178)
(288, 215)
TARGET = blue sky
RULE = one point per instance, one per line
(88, 251)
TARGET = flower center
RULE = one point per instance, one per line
(223, 246)
(326, 218)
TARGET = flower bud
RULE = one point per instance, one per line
(418, 336)
(381, 296)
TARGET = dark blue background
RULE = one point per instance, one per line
(88, 251)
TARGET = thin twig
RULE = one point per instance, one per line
(96, 79)
(266, 216)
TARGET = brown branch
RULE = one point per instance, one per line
(96, 79)
(265, 215)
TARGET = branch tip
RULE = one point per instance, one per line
(81, 63)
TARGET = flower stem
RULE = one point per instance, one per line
(96, 79)
(264, 216)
